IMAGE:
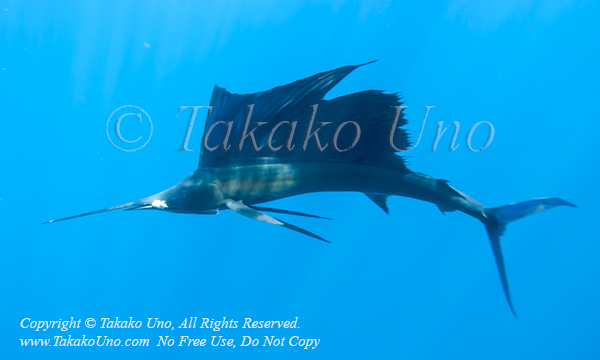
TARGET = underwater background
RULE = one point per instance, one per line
(412, 285)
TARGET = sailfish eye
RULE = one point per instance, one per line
(159, 204)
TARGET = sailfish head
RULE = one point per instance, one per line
(190, 196)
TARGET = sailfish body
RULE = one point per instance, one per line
(267, 165)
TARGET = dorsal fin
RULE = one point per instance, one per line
(372, 110)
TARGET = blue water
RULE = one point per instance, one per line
(413, 285)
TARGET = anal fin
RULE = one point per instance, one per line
(379, 200)
(444, 209)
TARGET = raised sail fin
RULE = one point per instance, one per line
(373, 111)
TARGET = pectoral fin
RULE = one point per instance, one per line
(240, 208)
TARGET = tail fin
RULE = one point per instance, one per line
(499, 217)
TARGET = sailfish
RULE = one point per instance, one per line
(240, 178)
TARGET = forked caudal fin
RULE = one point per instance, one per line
(499, 217)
